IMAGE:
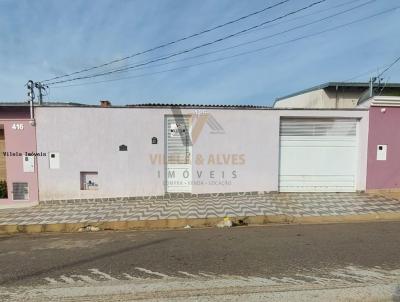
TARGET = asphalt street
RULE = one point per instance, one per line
(265, 251)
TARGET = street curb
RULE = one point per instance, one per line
(196, 222)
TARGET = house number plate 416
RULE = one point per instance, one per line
(17, 126)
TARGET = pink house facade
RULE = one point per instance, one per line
(18, 157)
(383, 168)
(358, 149)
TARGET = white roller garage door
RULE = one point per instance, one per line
(318, 155)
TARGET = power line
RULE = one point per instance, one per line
(388, 79)
(253, 41)
(304, 16)
(242, 53)
(384, 86)
(262, 28)
(387, 68)
(265, 37)
(191, 49)
(172, 42)
(368, 72)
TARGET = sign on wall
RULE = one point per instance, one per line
(17, 126)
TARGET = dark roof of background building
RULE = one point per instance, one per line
(53, 104)
(143, 105)
(338, 84)
(163, 105)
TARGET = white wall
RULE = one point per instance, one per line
(254, 134)
(88, 140)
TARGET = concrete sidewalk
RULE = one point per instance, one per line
(177, 210)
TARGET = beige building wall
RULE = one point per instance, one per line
(312, 99)
(345, 99)
(321, 98)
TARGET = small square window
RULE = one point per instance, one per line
(20, 191)
(89, 181)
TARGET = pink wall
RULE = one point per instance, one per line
(19, 140)
(384, 129)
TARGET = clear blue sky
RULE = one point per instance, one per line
(42, 39)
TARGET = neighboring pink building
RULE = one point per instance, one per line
(18, 164)
(383, 170)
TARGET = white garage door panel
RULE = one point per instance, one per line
(320, 183)
(308, 141)
(319, 160)
(318, 155)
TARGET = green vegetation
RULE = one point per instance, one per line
(3, 189)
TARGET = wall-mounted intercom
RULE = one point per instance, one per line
(381, 152)
(54, 160)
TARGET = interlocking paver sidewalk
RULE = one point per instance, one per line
(188, 207)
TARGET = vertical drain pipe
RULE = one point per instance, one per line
(336, 97)
(31, 107)
(31, 95)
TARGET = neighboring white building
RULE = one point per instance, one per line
(335, 95)
(383, 101)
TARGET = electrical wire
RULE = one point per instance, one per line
(303, 16)
(172, 42)
(191, 49)
(390, 66)
(251, 41)
(262, 28)
(365, 73)
(384, 86)
(242, 53)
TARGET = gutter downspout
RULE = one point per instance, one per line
(31, 94)
(371, 86)
(336, 101)
(31, 109)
